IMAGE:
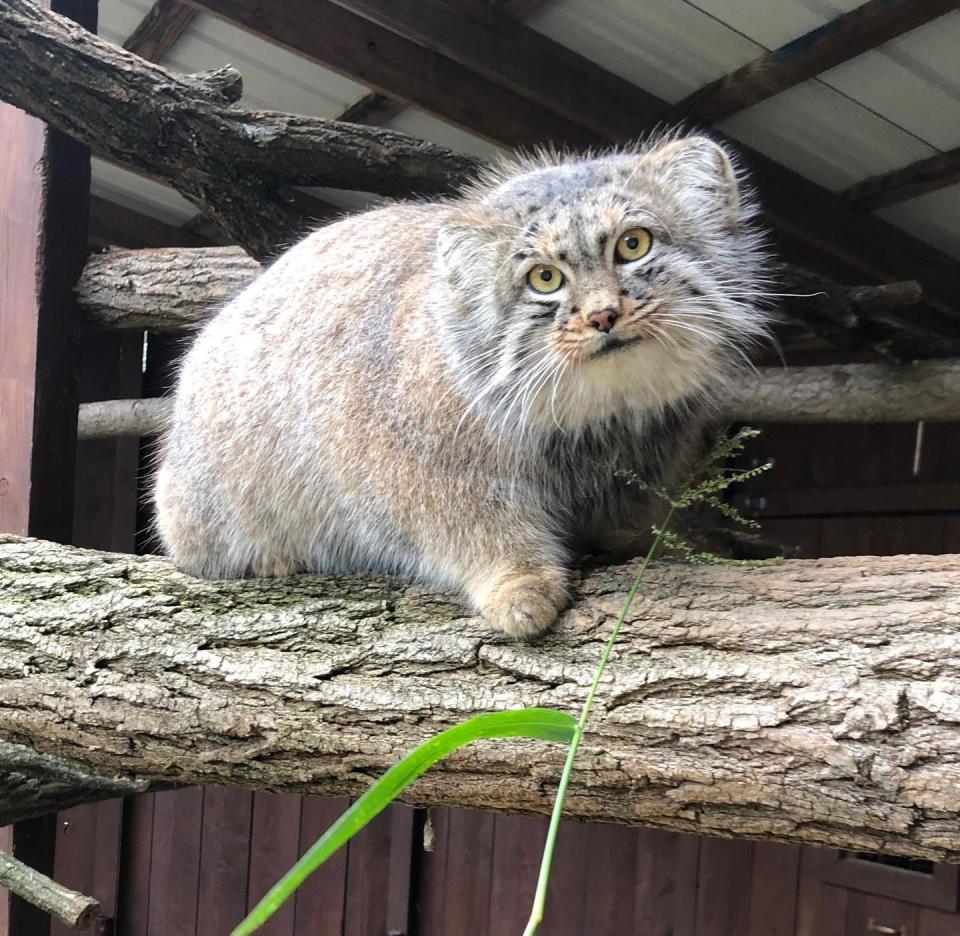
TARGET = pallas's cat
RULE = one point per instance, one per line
(447, 390)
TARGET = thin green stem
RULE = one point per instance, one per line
(539, 900)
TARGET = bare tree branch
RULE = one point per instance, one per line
(184, 130)
(73, 909)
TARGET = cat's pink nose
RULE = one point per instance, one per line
(604, 319)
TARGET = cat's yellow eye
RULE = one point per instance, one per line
(545, 278)
(633, 244)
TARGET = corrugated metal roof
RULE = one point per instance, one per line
(875, 113)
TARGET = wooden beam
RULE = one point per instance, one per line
(44, 190)
(372, 109)
(925, 175)
(518, 87)
(159, 31)
(375, 110)
(399, 69)
(837, 41)
(113, 225)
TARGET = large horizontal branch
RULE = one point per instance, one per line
(177, 289)
(838, 393)
(184, 130)
(804, 701)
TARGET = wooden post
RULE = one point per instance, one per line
(44, 194)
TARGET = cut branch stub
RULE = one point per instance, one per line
(805, 701)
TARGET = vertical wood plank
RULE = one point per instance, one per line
(937, 923)
(455, 881)
(224, 859)
(656, 880)
(175, 862)
(570, 882)
(821, 908)
(133, 913)
(688, 880)
(870, 915)
(88, 855)
(274, 848)
(320, 900)
(518, 844)
(44, 199)
(609, 893)
(723, 888)
(372, 875)
(774, 884)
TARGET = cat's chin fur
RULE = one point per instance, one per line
(391, 395)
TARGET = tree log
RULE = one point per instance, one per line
(928, 391)
(804, 701)
(185, 130)
(177, 289)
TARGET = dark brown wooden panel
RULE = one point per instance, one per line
(319, 901)
(136, 860)
(936, 923)
(378, 875)
(274, 848)
(517, 846)
(773, 897)
(88, 856)
(658, 878)
(175, 862)
(724, 887)
(878, 916)
(821, 908)
(224, 859)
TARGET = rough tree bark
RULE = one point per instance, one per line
(185, 130)
(805, 701)
(927, 391)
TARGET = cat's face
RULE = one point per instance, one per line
(593, 286)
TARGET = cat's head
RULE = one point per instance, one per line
(583, 287)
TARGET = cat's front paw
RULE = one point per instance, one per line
(525, 605)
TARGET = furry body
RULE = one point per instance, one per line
(392, 395)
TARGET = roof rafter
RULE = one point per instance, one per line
(518, 87)
(377, 109)
(891, 188)
(841, 39)
(161, 28)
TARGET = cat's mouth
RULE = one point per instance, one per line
(613, 343)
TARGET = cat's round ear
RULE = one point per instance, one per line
(701, 169)
(464, 245)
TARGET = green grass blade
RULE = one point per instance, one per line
(540, 723)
